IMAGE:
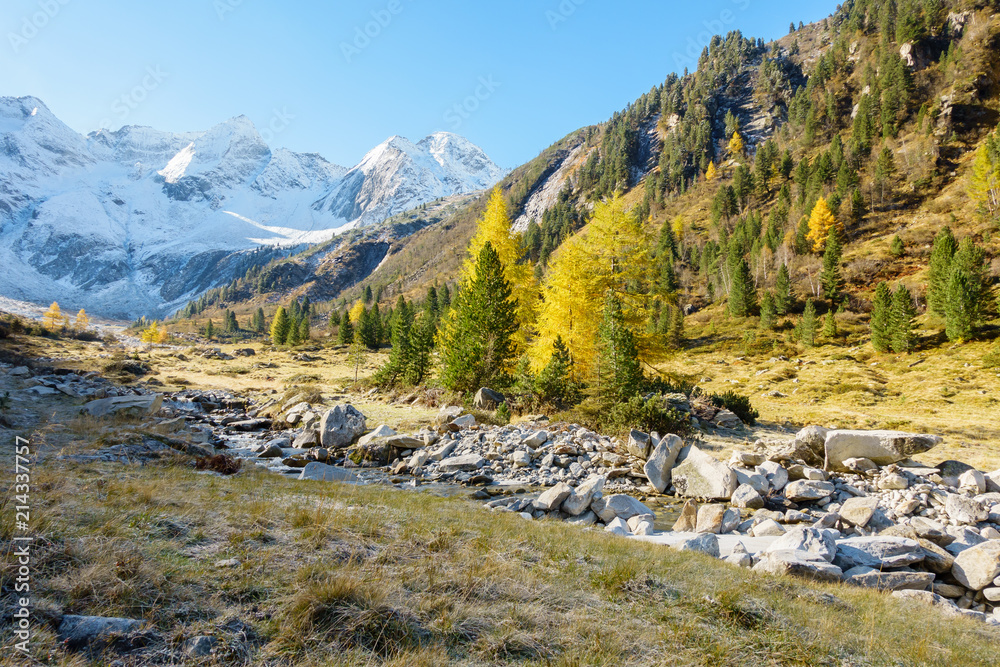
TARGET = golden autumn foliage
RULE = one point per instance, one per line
(356, 310)
(53, 317)
(711, 173)
(821, 220)
(82, 321)
(736, 145)
(495, 226)
(610, 253)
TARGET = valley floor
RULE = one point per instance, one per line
(276, 571)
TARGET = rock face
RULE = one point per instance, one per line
(659, 467)
(340, 425)
(882, 447)
(139, 405)
(700, 475)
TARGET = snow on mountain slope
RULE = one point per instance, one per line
(136, 221)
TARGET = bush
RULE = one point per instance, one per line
(646, 415)
(738, 404)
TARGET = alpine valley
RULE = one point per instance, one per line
(135, 222)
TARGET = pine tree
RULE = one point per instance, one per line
(968, 291)
(807, 331)
(833, 282)
(422, 343)
(858, 207)
(294, 325)
(742, 293)
(880, 323)
(783, 291)
(368, 328)
(829, 325)
(619, 373)
(885, 167)
(553, 383)
(209, 330)
(368, 294)
(334, 320)
(901, 320)
(821, 221)
(401, 355)
(280, 326)
(345, 336)
(53, 318)
(767, 312)
(478, 342)
(896, 248)
(304, 333)
(939, 270)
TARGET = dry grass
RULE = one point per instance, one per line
(335, 574)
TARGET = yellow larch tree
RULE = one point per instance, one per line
(53, 317)
(711, 173)
(610, 253)
(355, 313)
(736, 145)
(151, 334)
(82, 321)
(495, 226)
(984, 182)
(677, 227)
(820, 221)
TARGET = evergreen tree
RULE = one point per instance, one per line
(260, 321)
(401, 355)
(767, 312)
(807, 332)
(368, 329)
(968, 291)
(885, 167)
(294, 328)
(858, 207)
(901, 320)
(334, 318)
(345, 336)
(829, 326)
(896, 248)
(444, 298)
(939, 270)
(833, 282)
(422, 343)
(209, 330)
(368, 294)
(304, 333)
(478, 345)
(783, 291)
(675, 331)
(880, 323)
(742, 293)
(619, 374)
(553, 383)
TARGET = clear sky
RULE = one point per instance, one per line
(511, 76)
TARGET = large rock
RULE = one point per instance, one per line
(639, 444)
(799, 564)
(146, 404)
(978, 566)
(819, 543)
(487, 399)
(700, 475)
(775, 473)
(878, 552)
(583, 495)
(747, 497)
(340, 425)
(810, 445)
(965, 510)
(710, 518)
(464, 463)
(382, 431)
(706, 543)
(806, 490)
(661, 462)
(321, 472)
(688, 520)
(552, 498)
(79, 631)
(619, 505)
(882, 447)
(859, 511)
(869, 577)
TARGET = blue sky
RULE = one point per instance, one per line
(511, 76)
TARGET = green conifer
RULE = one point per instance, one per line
(280, 326)
(880, 323)
(901, 320)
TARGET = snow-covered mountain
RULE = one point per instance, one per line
(138, 221)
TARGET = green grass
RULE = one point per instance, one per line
(336, 574)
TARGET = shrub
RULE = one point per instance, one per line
(646, 415)
(738, 404)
